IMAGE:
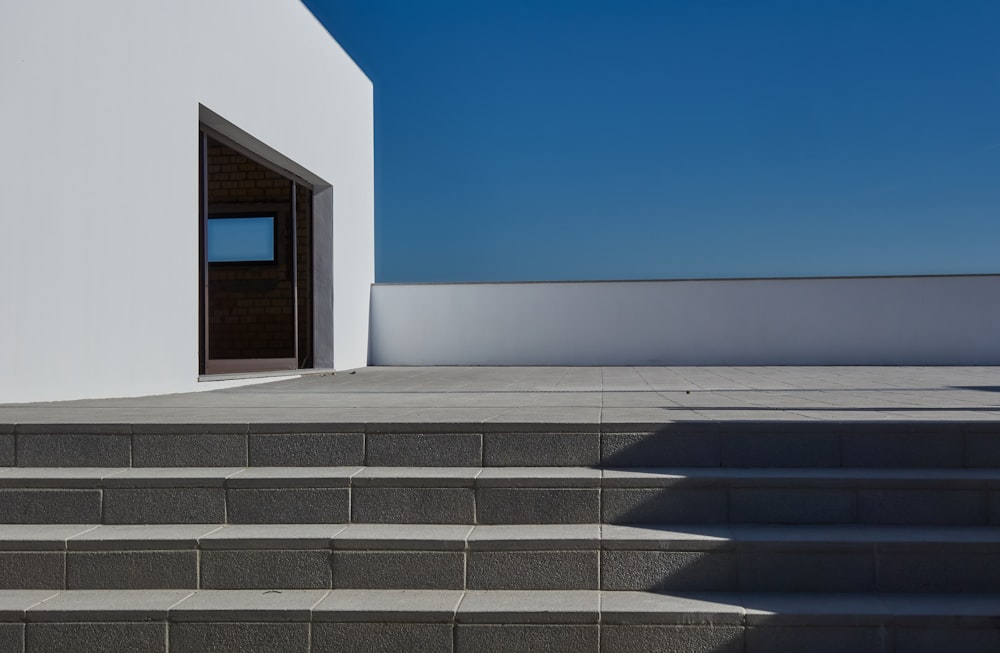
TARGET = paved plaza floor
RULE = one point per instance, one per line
(583, 395)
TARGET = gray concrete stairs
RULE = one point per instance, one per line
(701, 537)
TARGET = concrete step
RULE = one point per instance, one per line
(734, 443)
(499, 495)
(517, 557)
(324, 621)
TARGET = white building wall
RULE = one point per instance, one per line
(845, 321)
(99, 115)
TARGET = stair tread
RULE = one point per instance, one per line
(56, 537)
(101, 477)
(493, 606)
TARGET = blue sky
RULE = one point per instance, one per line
(641, 139)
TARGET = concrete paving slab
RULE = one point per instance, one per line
(144, 477)
(667, 537)
(389, 605)
(649, 608)
(39, 537)
(306, 477)
(524, 537)
(271, 536)
(416, 477)
(801, 609)
(140, 537)
(506, 394)
(108, 605)
(14, 603)
(248, 605)
(57, 477)
(423, 537)
(524, 606)
(539, 477)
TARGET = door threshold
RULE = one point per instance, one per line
(235, 376)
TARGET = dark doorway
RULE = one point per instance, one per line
(256, 264)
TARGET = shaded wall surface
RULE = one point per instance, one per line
(843, 321)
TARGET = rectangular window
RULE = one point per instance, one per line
(241, 240)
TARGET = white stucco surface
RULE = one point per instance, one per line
(845, 321)
(99, 119)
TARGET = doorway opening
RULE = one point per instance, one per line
(256, 263)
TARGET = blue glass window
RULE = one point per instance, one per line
(241, 240)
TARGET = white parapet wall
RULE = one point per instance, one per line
(935, 320)
(99, 119)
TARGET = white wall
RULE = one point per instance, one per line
(847, 321)
(99, 115)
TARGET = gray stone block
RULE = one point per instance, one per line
(12, 638)
(792, 505)
(132, 570)
(74, 450)
(503, 638)
(165, 506)
(936, 640)
(916, 506)
(780, 449)
(306, 449)
(252, 569)
(902, 448)
(994, 507)
(657, 639)
(398, 569)
(496, 505)
(668, 570)
(541, 449)
(239, 637)
(663, 506)
(7, 450)
(22, 570)
(288, 506)
(387, 505)
(939, 571)
(814, 639)
(533, 570)
(189, 450)
(425, 449)
(112, 637)
(813, 571)
(50, 506)
(381, 638)
(982, 450)
(695, 448)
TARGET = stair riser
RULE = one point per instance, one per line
(737, 444)
(329, 637)
(804, 504)
(850, 568)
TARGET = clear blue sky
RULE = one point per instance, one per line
(578, 139)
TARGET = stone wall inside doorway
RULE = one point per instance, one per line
(250, 305)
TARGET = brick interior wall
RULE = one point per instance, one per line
(250, 305)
